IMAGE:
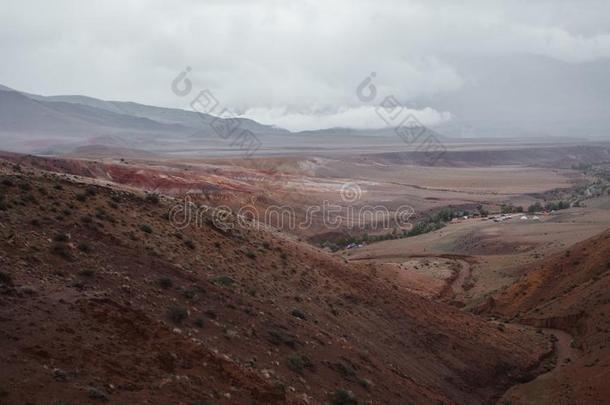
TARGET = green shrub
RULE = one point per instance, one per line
(61, 237)
(189, 294)
(224, 280)
(84, 247)
(91, 191)
(152, 198)
(62, 249)
(87, 273)
(98, 394)
(298, 314)
(25, 186)
(166, 283)
(299, 363)
(178, 314)
(6, 278)
(343, 397)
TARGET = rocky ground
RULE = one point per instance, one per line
(102, 299)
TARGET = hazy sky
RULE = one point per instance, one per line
(296, 63)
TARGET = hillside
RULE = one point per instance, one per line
(101, 298)
(59, 124)
(568, 292)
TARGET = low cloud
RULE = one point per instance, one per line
(294, 60)
(358, 118)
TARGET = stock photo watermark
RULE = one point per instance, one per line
(329, 215)
(225, 124)
(406, 126)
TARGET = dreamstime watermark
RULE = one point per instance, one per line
(406, 126)
(327, 215)
(223, 122)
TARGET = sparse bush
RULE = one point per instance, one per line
(365, 383)
(250, 254)
(178, 314)
(152, 198)
(28, 198)
(25, 186)
(199, 322)
(61, 237)
(345, 370)
(298, 314)
(91, 191)
(299, 363)
(343, 397)
(100, 213)
(146, 228)
(87, 273)
(62, 249)
(87, 219)
(7, 183)
(278, 337)
(224, 280)
(217, 245)
(266, 245)
(84, 247)
(189, 294)
(165, 283)
(5, 278)
(96, 393)
(189, 244)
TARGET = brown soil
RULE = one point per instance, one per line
(569, 292)
(248, 316)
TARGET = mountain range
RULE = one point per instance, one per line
(33, 123)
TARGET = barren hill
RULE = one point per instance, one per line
(101, 298)
(569, 292)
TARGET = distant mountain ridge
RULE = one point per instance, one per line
(33, 123)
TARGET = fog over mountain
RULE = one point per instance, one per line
(508, 69)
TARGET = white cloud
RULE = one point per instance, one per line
(363, 117)
(301, 57)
